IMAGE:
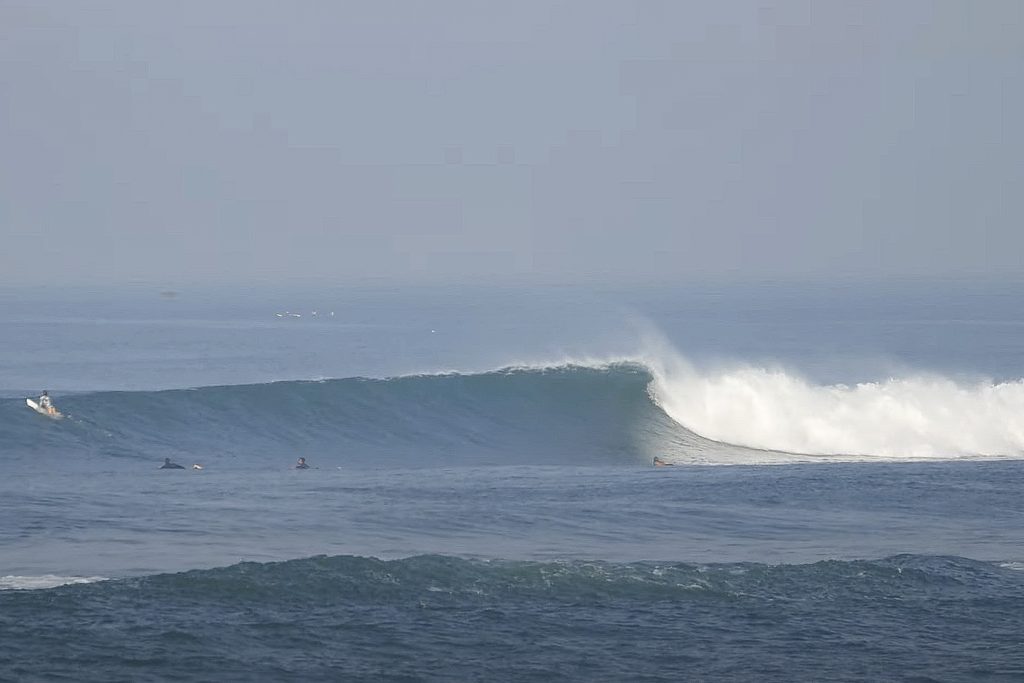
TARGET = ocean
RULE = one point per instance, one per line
(843, 499)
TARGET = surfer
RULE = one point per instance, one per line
(168, 465)
(658, 462)
(46, 404)
(301, 464)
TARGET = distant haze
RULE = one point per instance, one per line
(240, 141)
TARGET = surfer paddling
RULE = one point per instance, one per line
(658, 462)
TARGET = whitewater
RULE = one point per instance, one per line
(897, 417)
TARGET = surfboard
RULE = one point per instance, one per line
(55, 415)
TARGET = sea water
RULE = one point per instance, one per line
(844, 499)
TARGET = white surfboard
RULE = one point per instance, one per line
(56, 415)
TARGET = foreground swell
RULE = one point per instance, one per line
(444, 618)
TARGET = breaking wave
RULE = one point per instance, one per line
(619, 412)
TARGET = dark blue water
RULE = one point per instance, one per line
(482, 504)
(442, 618)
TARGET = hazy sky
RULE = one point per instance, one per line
(240, 141)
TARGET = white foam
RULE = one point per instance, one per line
(43, 581)
(1013, 566)
(923, 416)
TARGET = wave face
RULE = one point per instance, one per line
(444, 618)
(617, 413)
(564, 415)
